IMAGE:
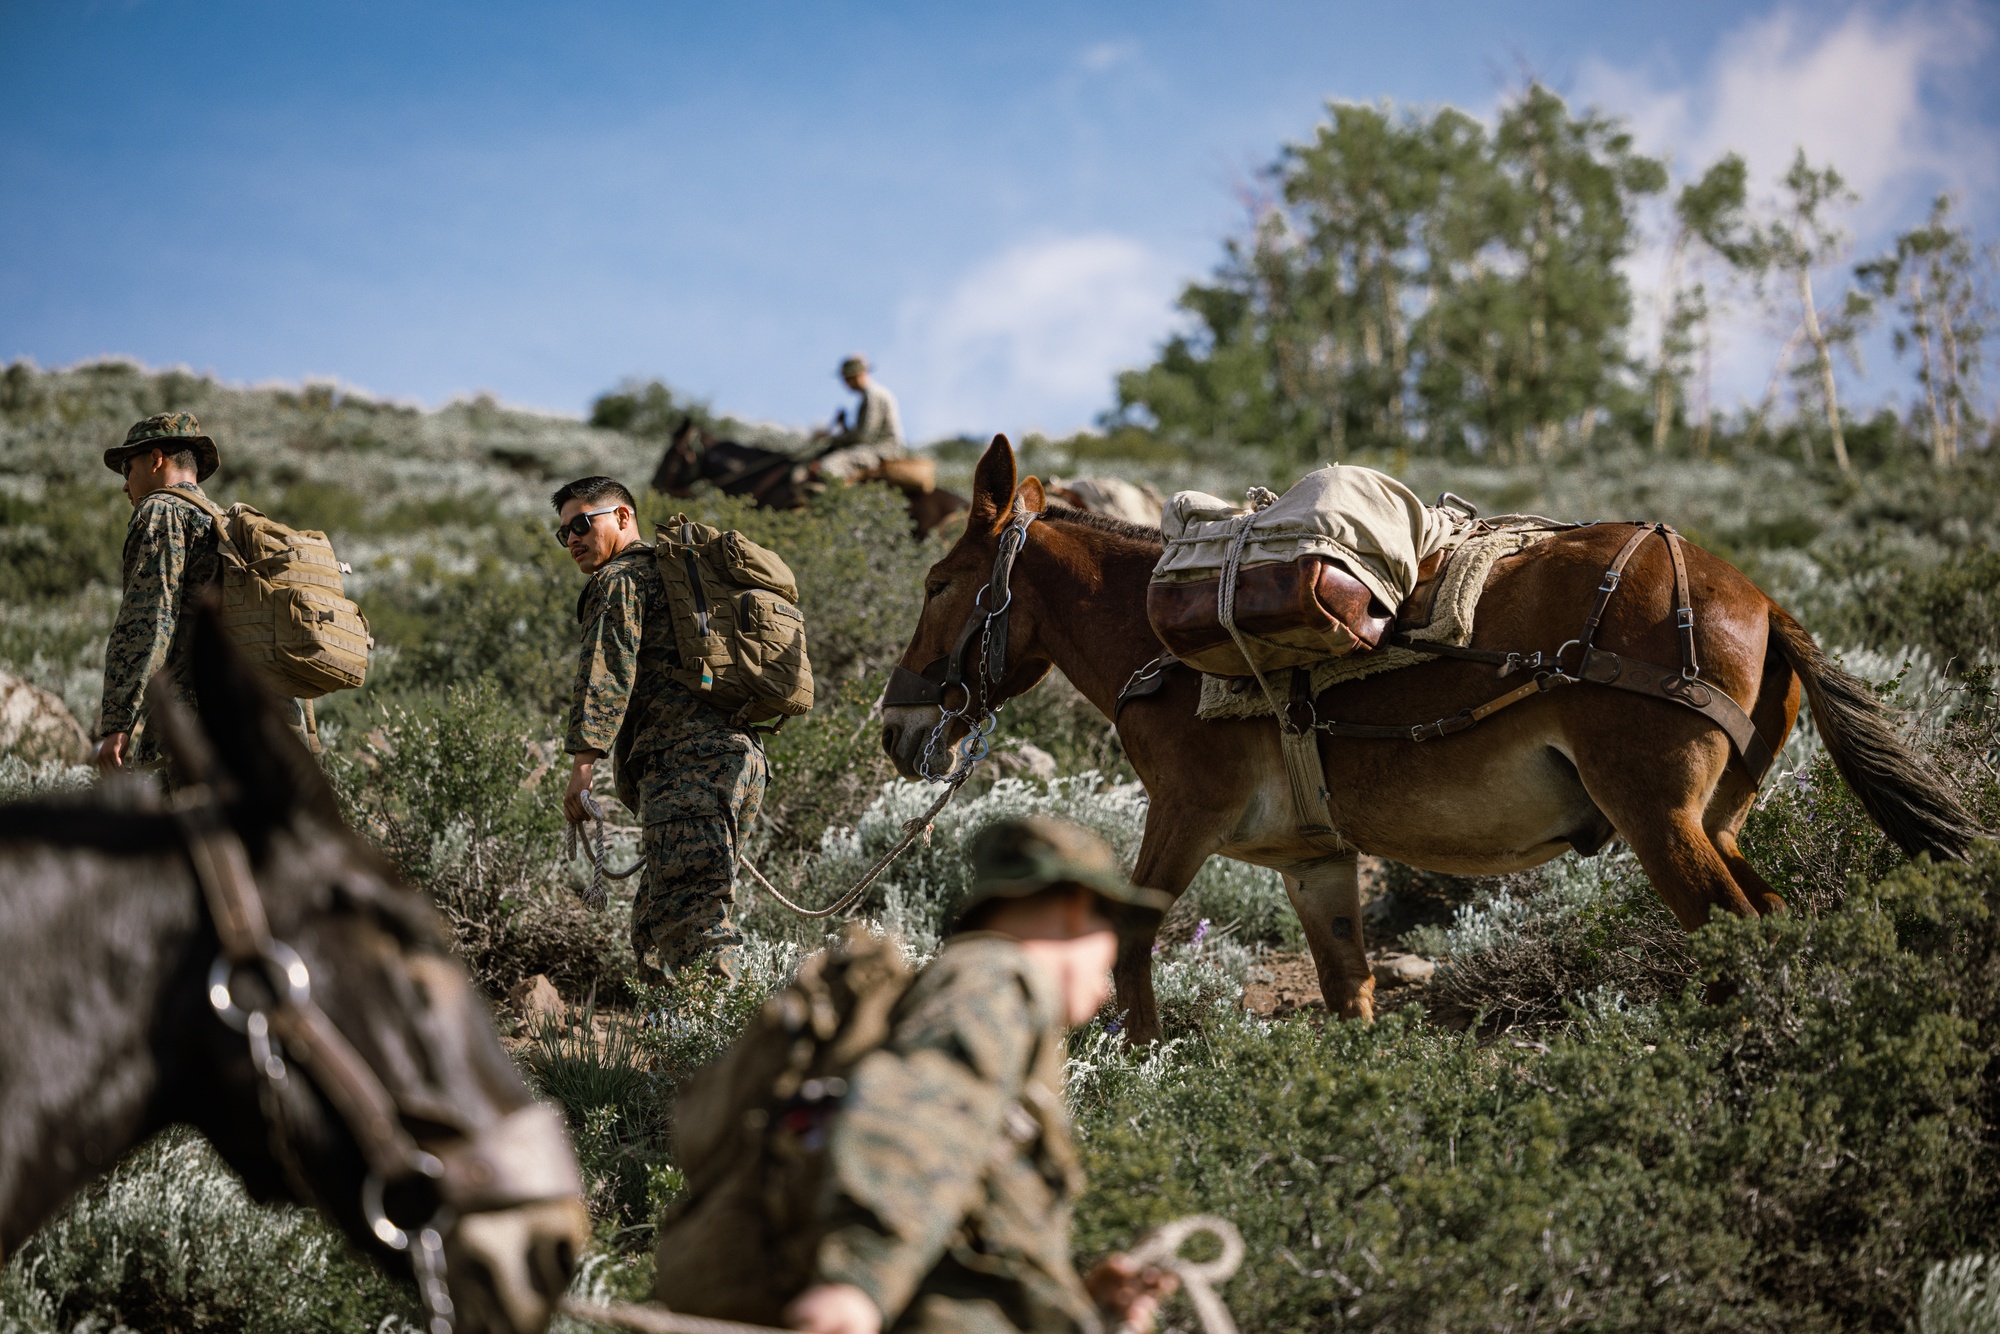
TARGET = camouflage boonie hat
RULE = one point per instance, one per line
(171, 431)
(854, 365)
(1016, 858)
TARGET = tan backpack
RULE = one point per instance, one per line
(283, 604)
(751, 1130)
(737, 623)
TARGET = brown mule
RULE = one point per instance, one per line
(1565, 769)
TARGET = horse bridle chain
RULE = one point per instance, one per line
(480, 1175)
(987, 625)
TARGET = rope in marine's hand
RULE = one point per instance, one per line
(595, 894)
(1162, 1248)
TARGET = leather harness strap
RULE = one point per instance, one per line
(1605, 668)
(1596, 666)
(989, 627)
(369, 1111)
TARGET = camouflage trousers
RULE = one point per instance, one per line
(696, 799)
(297, 714)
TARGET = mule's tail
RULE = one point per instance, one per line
(1904, 793)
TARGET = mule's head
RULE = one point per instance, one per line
(499, 1181)
(681, 464)
(947, 668)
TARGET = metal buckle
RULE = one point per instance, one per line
(1610, 584)
(1685, 617)
(290, 979)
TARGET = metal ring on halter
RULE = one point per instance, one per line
(1558, 658)
(980, 597)
(283, 969)
(948, 712)
(377, 1213)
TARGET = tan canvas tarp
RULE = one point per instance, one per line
(1369, 523)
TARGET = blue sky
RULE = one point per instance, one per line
(997, 203)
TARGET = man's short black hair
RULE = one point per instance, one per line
(594, 491)
(177, 458)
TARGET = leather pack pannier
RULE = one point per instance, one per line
(1295, 613)
(1316, 573)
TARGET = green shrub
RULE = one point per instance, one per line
(1795, 1158)
(169, 1241)
(464, 794)
(1962, 1297)
(62, 541)
(1545, 941)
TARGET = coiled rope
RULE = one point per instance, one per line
(596, 894)
(1160, 1248)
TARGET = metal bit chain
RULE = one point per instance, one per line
(427, 1263)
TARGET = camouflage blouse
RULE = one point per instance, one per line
(950, 1171)
(624, 683)
(170, 558)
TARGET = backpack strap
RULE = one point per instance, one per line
(213, 511)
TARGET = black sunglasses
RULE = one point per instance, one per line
(580, 525)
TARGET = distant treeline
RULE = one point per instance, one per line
(1418, 282)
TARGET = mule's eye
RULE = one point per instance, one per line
(935, 587)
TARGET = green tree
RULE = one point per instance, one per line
(1800, 238)
(1413, 278)
(1934, 273)
(1708, 220)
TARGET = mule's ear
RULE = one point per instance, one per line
(272, 773)
(1031, 497)
(993, 486)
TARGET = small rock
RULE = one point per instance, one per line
(1026, 759)
(536, 999)
(1403, 970)
(36, 725)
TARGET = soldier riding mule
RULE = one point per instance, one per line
(236, 960)
(1570, 759)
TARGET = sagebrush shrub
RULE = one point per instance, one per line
(168, 1240)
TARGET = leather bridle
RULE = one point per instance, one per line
(495, 1168)
(975, 666)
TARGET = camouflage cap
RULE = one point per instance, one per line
(1016, 858)
(854, 365)
(172, 432)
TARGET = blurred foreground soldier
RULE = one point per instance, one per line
(929, 1182)
(694, 780)
(875, 435)
(172, 557)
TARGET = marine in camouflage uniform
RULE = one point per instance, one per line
(171, 559)
(694, 780)
(950, 1169)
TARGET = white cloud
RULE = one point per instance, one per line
(1105, 55)
(1851, 93)
(1856, 89)
(1030, 338)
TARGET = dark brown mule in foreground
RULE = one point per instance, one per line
(378, 1092)
(1567, 768)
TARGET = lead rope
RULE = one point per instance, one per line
(1159, 1248)
(912, 829)
(971, 749)
(596, 893)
